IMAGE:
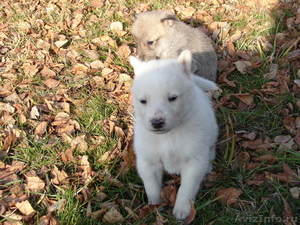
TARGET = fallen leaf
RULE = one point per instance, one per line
(113, 216)
(243, 66)
(48, 220)
(223, 79)
(58, 177)
(34, 183)
(80, 143)
(257, 180)
(124, 51)
(25, 207)
(229, 196)
(295, 192)
(247, 98)
(60, 44)
(287, 214)
(265, 158)
(192, 215)
(116, 26)
(67, 156)
(97, 3)
(168, 194)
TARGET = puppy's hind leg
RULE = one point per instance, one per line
(151, 175)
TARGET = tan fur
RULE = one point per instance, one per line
(160, 35)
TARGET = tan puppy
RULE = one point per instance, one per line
(160, 35)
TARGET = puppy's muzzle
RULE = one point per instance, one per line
(158, 123)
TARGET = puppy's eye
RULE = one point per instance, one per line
(143, 101)
(172, 98)
(150, 42)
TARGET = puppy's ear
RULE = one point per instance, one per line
(168, 19)
(185, 60)
(135, 62)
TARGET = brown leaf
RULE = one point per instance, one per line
(9, 139)
(30, 70)
(241, 159)
(148, 209)
(229, 196)
(243, 55)
(113, 216)
(80, 143)
(124, 51)
(25, 207)
(230, 48)
(51, 83)
(295, 192)
(223, 79)
(247, 98)
(243, 66)
(87, 170)
(188, 12)
(287, 170)
(168, 194)
(67, 156)
(257, 180)
(34, 183)
(58, 177)
(97, 3)
(282, 138)
(265, 158)
(60, 44)
(41, 129)
(293, 54)
(287, 214)
(192, 215)
(48, 220)
(212, 178)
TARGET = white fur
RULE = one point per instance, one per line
(184, 141)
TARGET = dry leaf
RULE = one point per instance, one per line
(60, 44)
(229, 196)
(97, 3)
(168, 194)
(67, 156)
(51, 83)
(287, 214)
(265, 158)
(295, 192)
(243, 66)
(58, 177)
(48, 220)
(124, 51)
(116, 26)
(257, 180)
(192, 215)
(25, 207)
(34, 183)
(80, 143)
(113, 216)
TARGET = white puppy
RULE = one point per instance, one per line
(175, 127)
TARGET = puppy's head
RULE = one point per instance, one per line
(162, 92)
(148, 29)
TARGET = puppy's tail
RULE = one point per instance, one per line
(204, 84)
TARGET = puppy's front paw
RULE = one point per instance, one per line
(182, 209)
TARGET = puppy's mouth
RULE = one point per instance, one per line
(159, 131)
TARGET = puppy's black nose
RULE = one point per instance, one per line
(158, 123)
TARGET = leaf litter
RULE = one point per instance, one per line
(40, 96)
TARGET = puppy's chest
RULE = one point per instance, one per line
(173, 162)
